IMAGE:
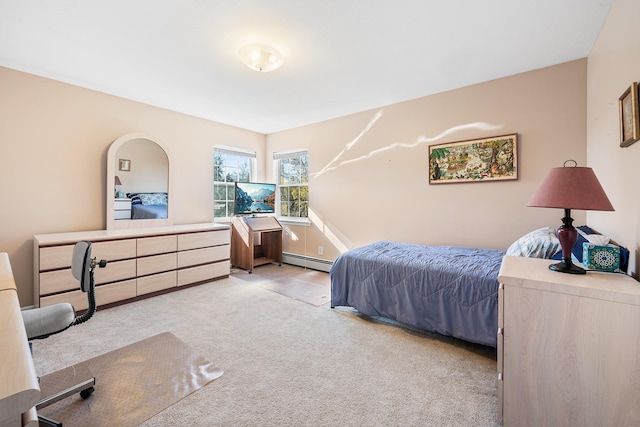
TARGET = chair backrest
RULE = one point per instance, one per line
(81, 264)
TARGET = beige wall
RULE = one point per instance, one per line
(149, 167)
(54, 139)
(369, 171)
(614, 63)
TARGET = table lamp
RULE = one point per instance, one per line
(570, 187)
(118, 182)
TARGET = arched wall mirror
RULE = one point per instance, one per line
(138, 183)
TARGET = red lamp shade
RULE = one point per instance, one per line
(570, 188)
(118, 181)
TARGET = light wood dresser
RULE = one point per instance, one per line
(568, 347)
(141, 262)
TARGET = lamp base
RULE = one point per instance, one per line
(567, 235)
(565, 266)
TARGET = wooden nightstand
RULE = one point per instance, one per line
(567, 346)
(122, 208)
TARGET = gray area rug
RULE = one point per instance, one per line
(133, 383)
(301, 284)
(310, 293)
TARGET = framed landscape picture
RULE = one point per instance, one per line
(476, 160)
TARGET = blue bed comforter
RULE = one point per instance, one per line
(449, 290)
(139, 211)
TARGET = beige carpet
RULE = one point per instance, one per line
(133, 383)
(288, 363)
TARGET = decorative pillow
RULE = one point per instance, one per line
(135, 198)
(153, 198)
(540, 243)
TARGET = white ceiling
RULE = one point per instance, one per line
(341, 56)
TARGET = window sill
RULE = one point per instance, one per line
(305, 222)
(291, 221)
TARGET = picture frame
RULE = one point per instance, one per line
(476, 160)
(629, 116)
(124, 165)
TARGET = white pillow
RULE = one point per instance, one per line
(540, 243)
(153, 198)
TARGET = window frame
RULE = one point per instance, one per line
(230, 196)
(303, 182)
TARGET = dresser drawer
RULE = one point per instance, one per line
(156, 282)
(156, 264)
(115, 292)
(203, 273)
(57, 281)
(55, 257)
(157, 245)
(114, 249)
(115, 271)
(122, 204)
(61, 256)
(202, 256)
(122, 215)
(77, 299)
(203, 239)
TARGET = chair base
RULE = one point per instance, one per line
(47, 422)
(62, 384)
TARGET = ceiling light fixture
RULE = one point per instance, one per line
(261, 57)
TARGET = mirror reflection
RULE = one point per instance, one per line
(142, 170)
(138, 176)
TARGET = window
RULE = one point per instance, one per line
(229, 165)
(293, 183)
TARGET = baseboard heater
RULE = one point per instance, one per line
(307, 262)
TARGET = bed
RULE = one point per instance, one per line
(148, 205)
(444, 289)
(449, 290)
(148, 211)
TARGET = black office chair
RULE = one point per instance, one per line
(45, 321)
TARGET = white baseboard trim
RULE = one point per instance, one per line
(307, 262)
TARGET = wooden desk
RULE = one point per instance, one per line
(255, 241)
(19, 390)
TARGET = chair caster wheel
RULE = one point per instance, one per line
(87, 392)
